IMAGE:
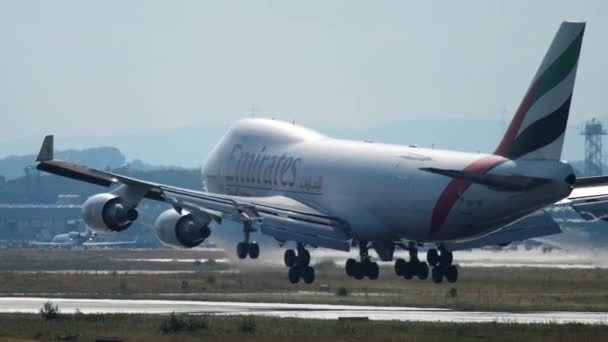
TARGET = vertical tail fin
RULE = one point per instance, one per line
(537, 130)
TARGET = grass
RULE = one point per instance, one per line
(510, 289)
(176, 323)
(44, 259)
(83, 327)
(50, 311)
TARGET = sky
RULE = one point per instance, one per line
(98, 68)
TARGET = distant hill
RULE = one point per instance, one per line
(189, 146)
(184, 147)
(12, 167)
(41, 187)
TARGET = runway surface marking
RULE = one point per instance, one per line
(308, 311)
(170, 260)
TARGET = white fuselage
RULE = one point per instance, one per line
(378, 189)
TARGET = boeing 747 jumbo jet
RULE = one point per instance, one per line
(307, 189)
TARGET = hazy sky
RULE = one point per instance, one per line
(106, 67)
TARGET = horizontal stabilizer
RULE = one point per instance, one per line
(591, 181)
(536, 225)
(498, 182)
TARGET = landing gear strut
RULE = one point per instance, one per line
(442, 265)
(246, 247)
(414, 267)
(363, 268)
(299, 265)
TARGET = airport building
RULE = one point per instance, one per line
(22, 223)
(39, 221)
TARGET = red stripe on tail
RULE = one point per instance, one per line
(456, 188)
(504, 147)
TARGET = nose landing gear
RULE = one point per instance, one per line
(299, 265)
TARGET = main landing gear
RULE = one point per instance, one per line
(247, 248)
(414, 267)
(364, 267)
(299, 265)
(441, 261)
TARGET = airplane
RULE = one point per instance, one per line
(302, 187)
(78, 239)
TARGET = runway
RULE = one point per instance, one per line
(308, 311)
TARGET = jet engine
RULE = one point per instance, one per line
(106, 212)
(181, 230)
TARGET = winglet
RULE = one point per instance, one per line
(46, 151)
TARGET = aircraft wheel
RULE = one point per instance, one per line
(432, 257)
(359, 271)
(294, 274)
(350, 266)
(446, 258)
(451, 274)
(290, 258)
(205, 232)
(308, 274)
(373, 271)
(303, 258)
(408, 270)
(241, 250)
(254, 250)
(399, 267)
(422, 270)
(437, 275)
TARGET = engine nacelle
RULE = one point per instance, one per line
(105, 213)
(181, 230)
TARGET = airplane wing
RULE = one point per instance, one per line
(109, 244)
(284, 218)
(590, 189)
(589, 198)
